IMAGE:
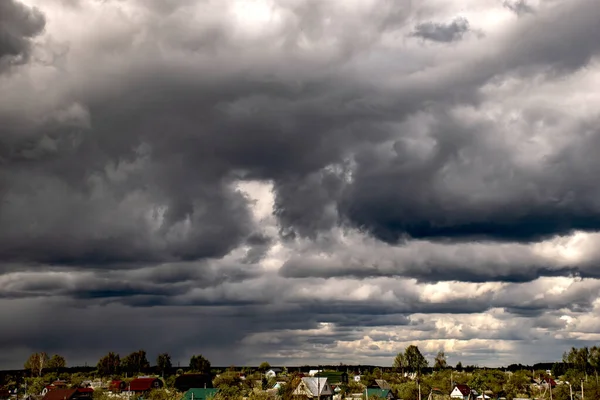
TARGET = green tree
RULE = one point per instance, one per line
(286, 390)
(577, 358)
(229, 384)
(56, 362)
(561, 392)
(35, 385)
(100, 394)
(200, 364)
(518, 384)
(399, 363)
(459, 366)
(36, 363)
(163, 361)
(440, 361)
(135, 362)
(110, 364)
(594, 358)
(407, 391)
(162, 394)
(415, 362)
(477, 382)
(264, 366)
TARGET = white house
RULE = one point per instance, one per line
(272, 373)
(461, 392)
(311, 388)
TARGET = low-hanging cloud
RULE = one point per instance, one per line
(442, 32)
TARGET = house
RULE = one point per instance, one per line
(273, 372)
(117, 386)
(144, 384)
(54, 385)
(380, 394)
(200, 394)
(311, 387)
(382, 384)
(313, 372)
(69, 394)
(185, 382)
(436, 394)
(549, 381)
(461, 392)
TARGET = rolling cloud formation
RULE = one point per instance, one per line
(299, 181)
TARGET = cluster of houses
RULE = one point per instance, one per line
(464, 392)
(317, 384)
(324, 385)
(327, 385)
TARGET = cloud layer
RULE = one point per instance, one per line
(267, 178)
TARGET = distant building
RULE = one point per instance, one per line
(200, 394)
(145, 384)
(311, 388)
(54, 385)
(69, 394)
(380, 394)
(117, 386)
(382, 384)
(273, 372)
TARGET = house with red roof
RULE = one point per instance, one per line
(69, 394)
(461, 392)
(144, 384)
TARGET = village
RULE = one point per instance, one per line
(409, 378)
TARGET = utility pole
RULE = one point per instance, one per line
(570, 390)
(318, 383)
(582, 390)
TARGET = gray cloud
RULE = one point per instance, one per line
(411, 186)
(519, 7)
(18, 25)
(442, 32)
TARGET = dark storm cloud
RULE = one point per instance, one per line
(442, 32)
(397, 193)
(118, 180)
(307, 205)
(147, 286)
(157, 155)
(423, 205)
(18, 25)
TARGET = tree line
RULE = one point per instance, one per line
(410, 374)
(113, 364)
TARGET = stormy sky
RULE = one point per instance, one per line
(299, 181)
